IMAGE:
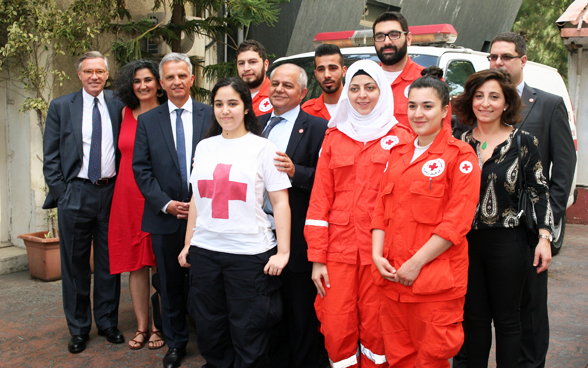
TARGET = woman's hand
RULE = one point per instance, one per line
(183, 257)
(408, 272)
(319, 272)
(276, 264)
(543, 254)
(386, 270)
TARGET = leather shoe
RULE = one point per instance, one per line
(173, 357)
(77, 344)
(113, 335)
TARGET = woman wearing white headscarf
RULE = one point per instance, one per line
(353, 157)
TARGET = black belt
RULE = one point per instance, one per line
(99, 182)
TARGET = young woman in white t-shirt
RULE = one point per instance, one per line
(230, 248)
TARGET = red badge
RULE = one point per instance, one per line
(301, 131)
(531, 100)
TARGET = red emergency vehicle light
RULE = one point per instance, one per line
(421, 35)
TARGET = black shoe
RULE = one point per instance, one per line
(113, 335)
(77, 344)
(173, 357)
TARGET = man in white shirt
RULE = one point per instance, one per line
(164, 147)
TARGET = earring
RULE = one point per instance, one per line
(504, 109)
(159, 93)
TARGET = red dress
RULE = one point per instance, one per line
(129, 248)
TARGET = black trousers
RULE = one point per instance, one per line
(83, 212)
(499, 264)
(296, 339)
(235, 306)
(172, 277)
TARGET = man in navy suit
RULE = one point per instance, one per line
(80, 165)
(299, 137)
(162, 160)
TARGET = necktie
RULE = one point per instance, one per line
(181, 150)
(95, 164)
(273, 122)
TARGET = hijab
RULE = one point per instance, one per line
(365, 128)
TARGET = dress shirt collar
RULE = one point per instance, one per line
(290, 116)
(520, 88)
(187, 106)
(88, 99)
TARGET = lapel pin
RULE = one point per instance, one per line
(531, 100)
(301, 131)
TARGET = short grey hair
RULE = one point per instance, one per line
(302, 77)
(92, 55)
(175, 56)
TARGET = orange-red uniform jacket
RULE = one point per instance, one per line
(316, 107)
(436, 194)
(261, 102)
(411, 72)
(344, 194)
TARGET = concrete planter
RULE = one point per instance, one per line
(43, 255)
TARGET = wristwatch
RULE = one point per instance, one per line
(546, 236)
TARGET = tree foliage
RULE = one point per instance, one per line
(536, 23)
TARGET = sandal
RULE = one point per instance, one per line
(138, 344)
(152, 343)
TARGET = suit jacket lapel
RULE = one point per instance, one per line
(528, 99)
(168, 134)
(197, 126)
(115, 117)
(297, 133)
(76, 113)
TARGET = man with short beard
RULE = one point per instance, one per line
(329, 71)
(391, 40)
(252, 64)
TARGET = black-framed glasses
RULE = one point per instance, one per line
(392, 35)
(505, 57)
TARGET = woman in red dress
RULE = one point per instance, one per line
(130, 250)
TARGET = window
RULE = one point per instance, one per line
(457, 74)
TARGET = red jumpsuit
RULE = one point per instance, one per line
(411, 72)
(435, 194)
(261, 102)
(316, 107)
(338, 234)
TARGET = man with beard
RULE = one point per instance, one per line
(391, 40)
(329, 71)
(252, 64)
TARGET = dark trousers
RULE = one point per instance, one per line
(172, 277)
(499, 264)
(295, 340)
(535, 322)
(235, 306)
(83, 212)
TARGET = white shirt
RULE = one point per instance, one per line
(391, 76)
(280, 134)
(108, 159)
(188, 130)
(331, 108)
(520, 88)
(419, 150)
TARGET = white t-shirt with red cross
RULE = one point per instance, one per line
(228, 181)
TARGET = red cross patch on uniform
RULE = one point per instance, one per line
(433, 168)
(265, 105)
(466, 167)
(389, 141)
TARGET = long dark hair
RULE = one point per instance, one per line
(124, 82)
(251, 123)
(462, 104)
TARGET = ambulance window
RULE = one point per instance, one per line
(457, 74)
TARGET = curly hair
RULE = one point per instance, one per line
(123, 84)
(251, 123)
(462, 104)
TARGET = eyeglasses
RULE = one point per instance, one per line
(505, 57)
(392, 35)
(89, 72)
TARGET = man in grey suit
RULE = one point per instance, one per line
(162, 160)
(80, 165)
(544, 116)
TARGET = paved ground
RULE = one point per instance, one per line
(33, 332)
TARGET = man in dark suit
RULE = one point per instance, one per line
(80, 165)
(299, 137)
(162, 160)
(544, 116)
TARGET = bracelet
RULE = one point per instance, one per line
(546, 236)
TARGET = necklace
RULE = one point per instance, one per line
(484, 145)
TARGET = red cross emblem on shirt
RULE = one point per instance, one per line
(389, 141)
(266, 104)
(466, 167)
(221, 190)
(433, 166)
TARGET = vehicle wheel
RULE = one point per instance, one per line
(558, 236)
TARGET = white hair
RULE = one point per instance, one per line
(175, 56)
(302, 77)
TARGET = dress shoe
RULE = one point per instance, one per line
(77, 344)
(113, 335)
(173, 357)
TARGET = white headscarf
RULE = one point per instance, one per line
(376, 124)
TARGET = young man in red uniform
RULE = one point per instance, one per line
(252, 64)
(391, 40)
(329, 71)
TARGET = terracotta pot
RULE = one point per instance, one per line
(43, 254)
